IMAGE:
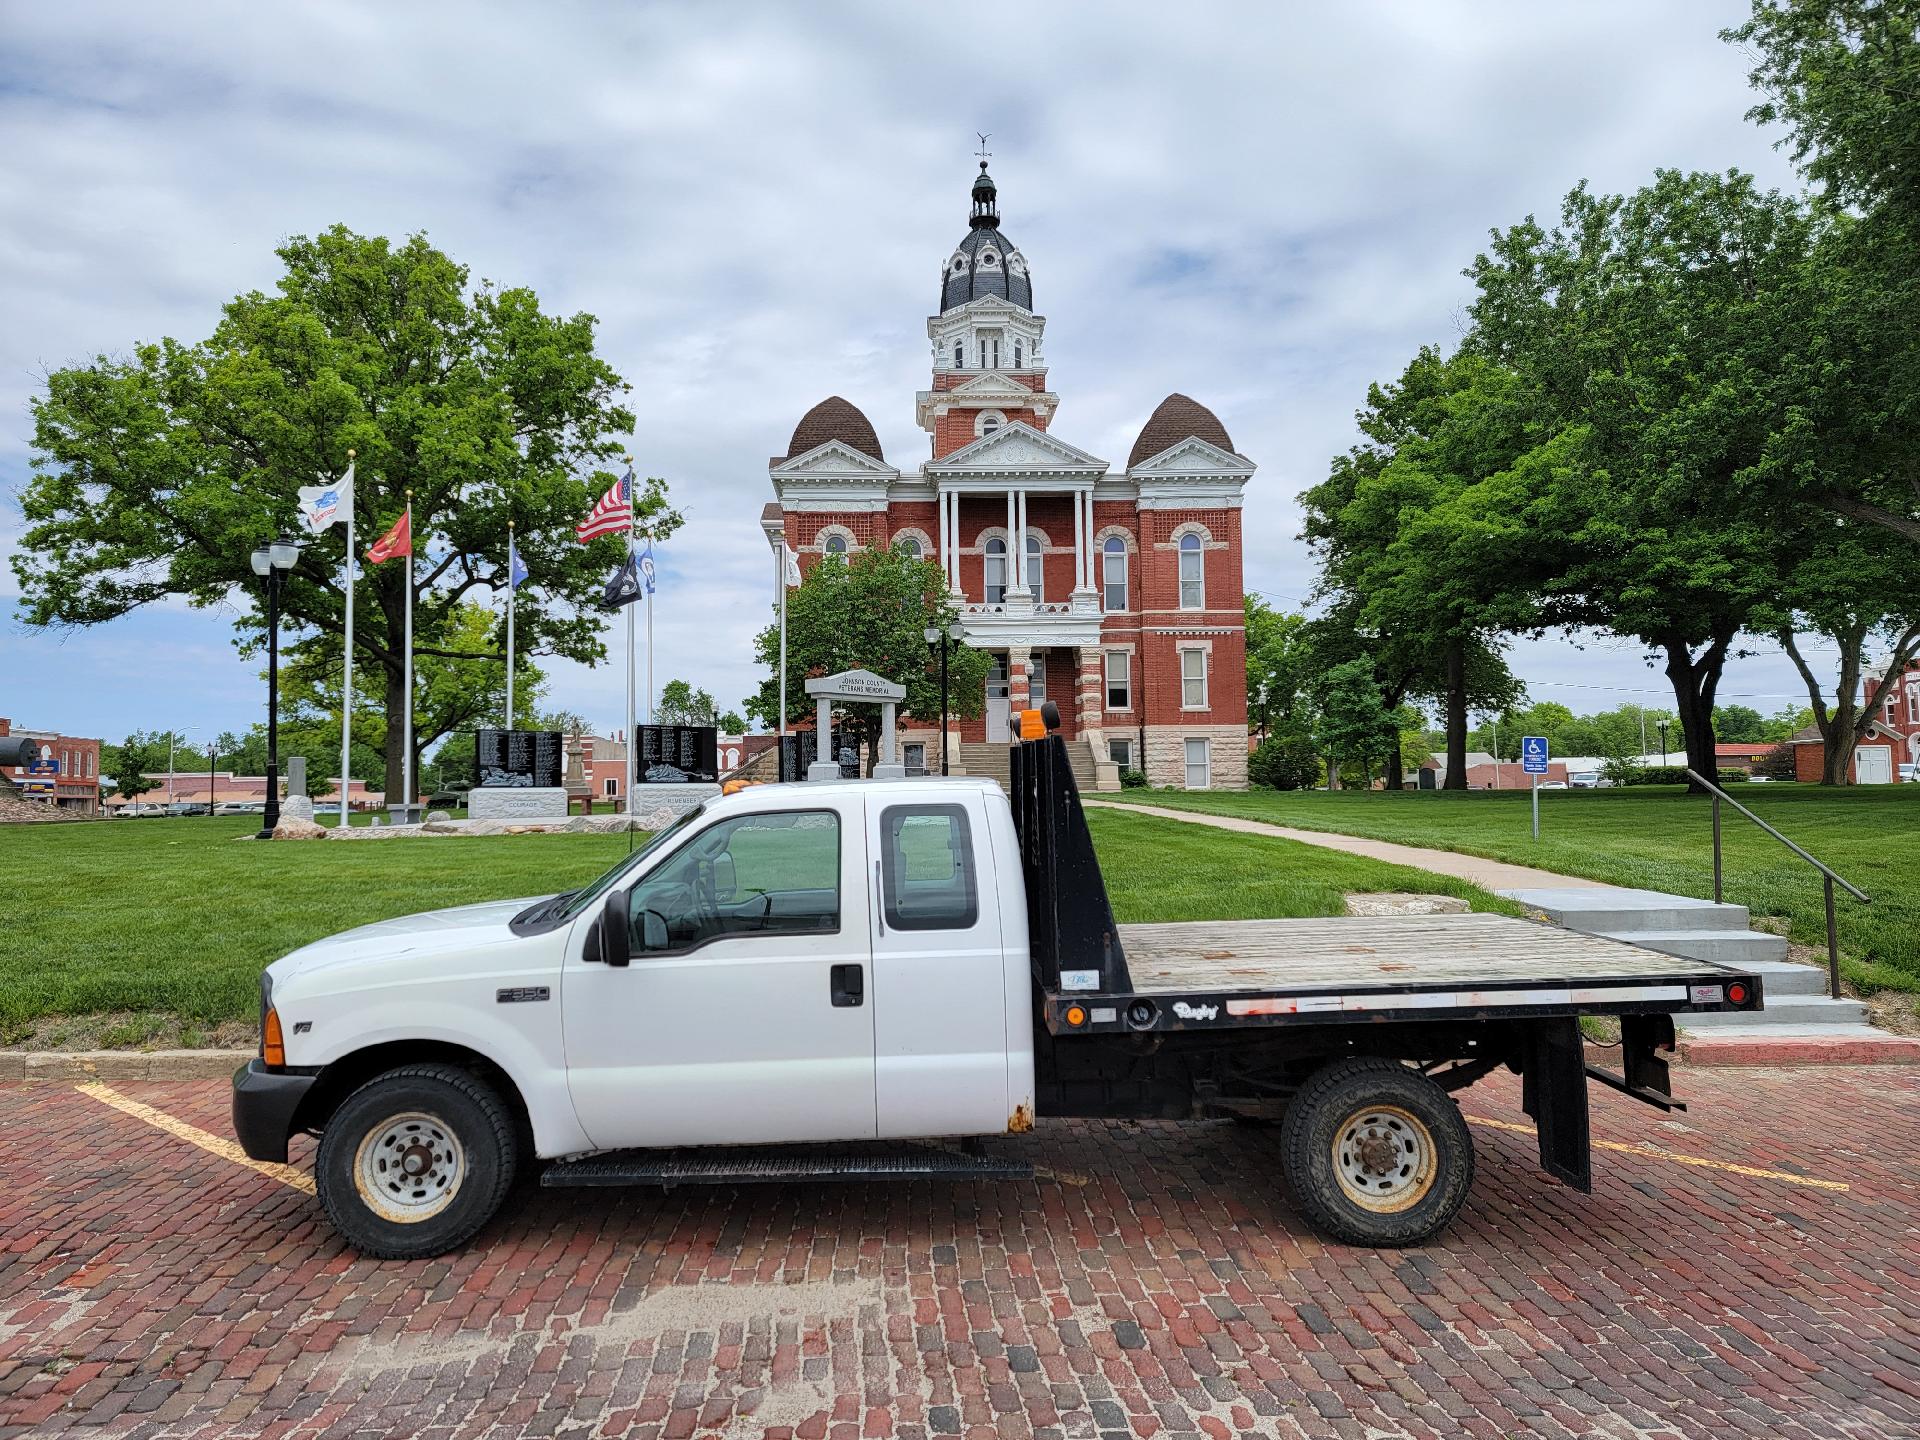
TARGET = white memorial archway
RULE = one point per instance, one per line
(864, 686)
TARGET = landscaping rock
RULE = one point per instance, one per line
(1391, 902)
(293, 828)
(438, 817)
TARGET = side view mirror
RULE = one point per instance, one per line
(616, 941)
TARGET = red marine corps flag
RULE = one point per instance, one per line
(397, 541)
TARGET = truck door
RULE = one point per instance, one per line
(939, 975)
(746, 1015)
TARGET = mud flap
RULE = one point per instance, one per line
(1555, 1094)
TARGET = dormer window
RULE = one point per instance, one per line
(959, 265)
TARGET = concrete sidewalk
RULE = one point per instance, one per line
(1474, 869)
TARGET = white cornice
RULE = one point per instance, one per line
(1192, 456)
(835, 460)
(1015, 449)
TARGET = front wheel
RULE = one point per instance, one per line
(1376, 1154)
(415, 1161)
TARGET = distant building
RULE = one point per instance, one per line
(67, 773)
(1892, 738)
(223, 787)
(1740, 754)
(1486, 773)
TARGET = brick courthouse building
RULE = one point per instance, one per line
(1115, 594)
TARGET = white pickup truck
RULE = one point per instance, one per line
(841, 980)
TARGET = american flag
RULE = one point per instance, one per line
(613, 514)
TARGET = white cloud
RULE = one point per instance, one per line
(1265, 207)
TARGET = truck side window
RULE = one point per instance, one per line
(773, 874)
(929, 879)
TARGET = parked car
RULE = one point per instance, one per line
(241, 807)
(187, 807)
(1584, 780)
(1554, 785)
(140, 810)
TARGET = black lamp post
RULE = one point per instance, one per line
(945, 639)
(271, 563)
(1662, 726)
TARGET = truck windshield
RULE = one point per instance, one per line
(582, 899)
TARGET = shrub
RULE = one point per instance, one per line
(1284, 762)
(1133, 780)
(1657, 775)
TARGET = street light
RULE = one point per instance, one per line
(1661, 726)
(945, 639)
(271, 562)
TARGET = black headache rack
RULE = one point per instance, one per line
(1070, 928)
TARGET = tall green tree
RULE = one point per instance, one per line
(869, 611)
(681, 704)
(157, 474)
(1425, 585)
(1844, 77)
(1655, 333)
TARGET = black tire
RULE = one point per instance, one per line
(445, 1119)
(1376, 1154)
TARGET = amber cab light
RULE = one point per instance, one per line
(273, 1048)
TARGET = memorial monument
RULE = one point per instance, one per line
(519, 774)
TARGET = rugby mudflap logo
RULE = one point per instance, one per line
(1195, 1012)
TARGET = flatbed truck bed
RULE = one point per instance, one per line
(1225, 974)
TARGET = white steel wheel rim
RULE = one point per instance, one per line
(1384, 1158)
(409, 1168)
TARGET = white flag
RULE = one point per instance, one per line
(321, 505)
(792, 565)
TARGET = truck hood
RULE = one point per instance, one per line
(467, 930)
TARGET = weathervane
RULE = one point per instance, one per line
(983, 152)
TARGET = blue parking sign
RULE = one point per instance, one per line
(1533, 754)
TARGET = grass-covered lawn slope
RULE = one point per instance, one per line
(167, 923)
(1659, 838)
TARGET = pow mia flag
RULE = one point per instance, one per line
(623, 586)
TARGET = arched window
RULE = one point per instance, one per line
(1036, 568)
(996, 571)
(1113, 573)
(836, 545)
(909, 547)
(988, 421)
(1193, 582)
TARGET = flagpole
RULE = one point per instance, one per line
(406, 732)
(346, 673)
(633, 735)
(650, 655)
(510, 589)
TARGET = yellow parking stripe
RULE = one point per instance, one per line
(1652, 1154)
(213, 1144)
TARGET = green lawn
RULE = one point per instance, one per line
(170, 921)
(1660, 838)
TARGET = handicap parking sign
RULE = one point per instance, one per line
(1533, 754)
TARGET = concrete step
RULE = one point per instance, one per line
(1748, 948)
(1798, 1045)
(1614, 910)
(1783, 1012)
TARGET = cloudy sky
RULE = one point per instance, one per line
(1265, 206)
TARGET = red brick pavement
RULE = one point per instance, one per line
(151, 1288)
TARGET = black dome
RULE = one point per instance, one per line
(986, 262)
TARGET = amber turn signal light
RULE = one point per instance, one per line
(273, 1047)
(1076, 1015)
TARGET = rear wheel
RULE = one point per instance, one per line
(1376, 1154)
(415, 1161)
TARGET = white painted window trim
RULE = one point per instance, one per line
(1205, 742)
(1205, 677)
(1106, 680)
(980, 420)
(1180, 572)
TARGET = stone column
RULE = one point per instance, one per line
(825, 765)
(1019, 687)
(888, 767)
(1013, 544)
(946, 559)
(1020, 546)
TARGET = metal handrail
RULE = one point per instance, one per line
(1830, 877)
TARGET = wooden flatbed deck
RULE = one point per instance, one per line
(1390, 950)
(1221, 974)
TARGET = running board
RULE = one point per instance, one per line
(777, 1165)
